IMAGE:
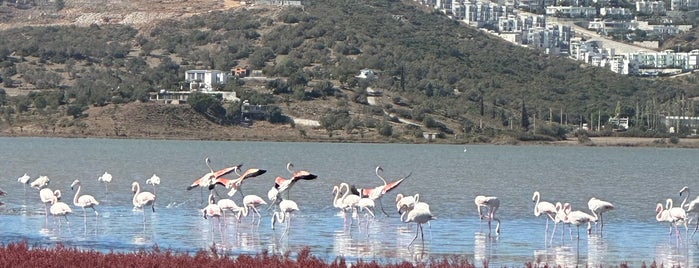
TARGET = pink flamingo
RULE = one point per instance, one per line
(252, 202)
(212, 210)
(377, 192)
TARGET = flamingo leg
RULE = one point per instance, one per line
(288, 223)
(382, 210)
(417, 232)
(84, 217)
(695, 229)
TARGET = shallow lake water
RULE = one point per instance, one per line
(447, 177)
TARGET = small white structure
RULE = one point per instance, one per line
(366, 74)
(622, 123)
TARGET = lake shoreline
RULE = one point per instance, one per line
(260, 136)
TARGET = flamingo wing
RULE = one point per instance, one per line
(303, 175)
(222, 181)
(392, 185)
(280, 181)
(194, 184)
(249, 173)
(224, 172)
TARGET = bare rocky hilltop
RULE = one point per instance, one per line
(138, 13)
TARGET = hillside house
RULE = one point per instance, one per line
(366, 74)
(240, 72)
(204, 80)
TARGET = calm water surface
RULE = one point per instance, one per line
(448, 177)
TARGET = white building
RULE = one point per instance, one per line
(205, 80)
(650, 7)
(571, 11)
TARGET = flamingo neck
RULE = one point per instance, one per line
(336, 201)
(77, 194)
(281, 216)
(138, 191)
(244, 210)
(380, 177)
(685, 199)
(344, 186)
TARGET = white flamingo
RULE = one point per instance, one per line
(599, 207)
(286, 207)
(677, 215)
(106, 178)
(561, 211)
(420, 214)
(228, 205)
(153, 180)
(40, 182)
(349, 202)
(24, 180)
(692, 207)
(578, 218)
(59, 209)
(543, 207)
(402, 201)
(368, 205)
(142, 199)
(46, 196)
(491, 204)
(84, 201)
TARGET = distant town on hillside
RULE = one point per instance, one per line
(620, 36)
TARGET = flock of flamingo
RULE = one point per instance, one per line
(347, 198)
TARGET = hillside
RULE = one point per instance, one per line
(89, 71)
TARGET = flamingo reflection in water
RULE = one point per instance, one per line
(482, 251)
(597, 251)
